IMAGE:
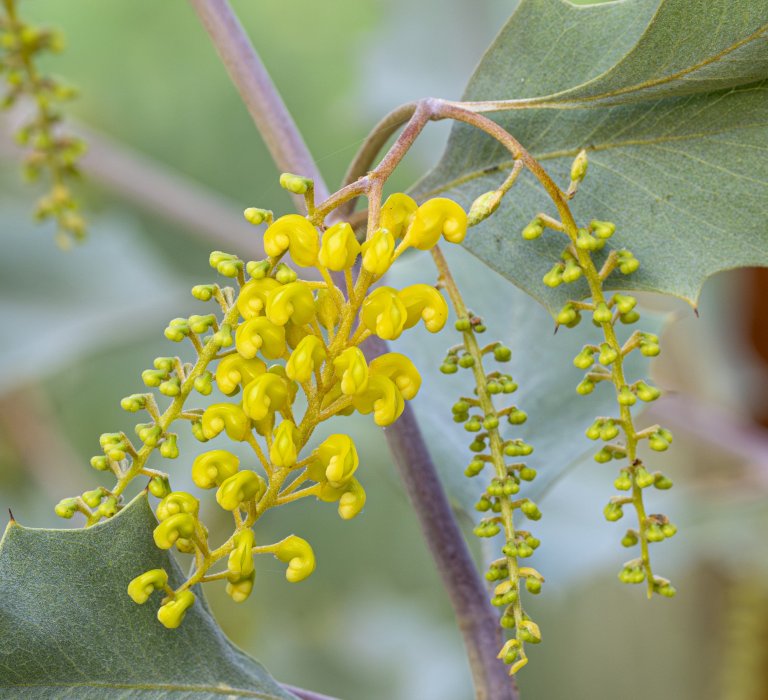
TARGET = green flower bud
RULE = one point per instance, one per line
(149, 433)
(201, 324)
(669, 530)
(662, 482)
(626, 397)
(169, 449)
(258, 269)
(607, 355)
(530, 510)
(657, 442)
(624, 303)
(93, 498)
(527, 473)
(642, 478)
(510, 487)
(568, 316)
(204, 383)
(490, 422)
(170, 387)
(602, 229)
(603, 456)
(449, 368)
(609, 430)
(203, 292)
(628, 263)
(629, 317)
(177, 330)
(285, 275)
(296, 183)
(474, 467)
(579, 167)
(585, 386)
(517, 417)
(533, 230)
(613, 512)
(223, 337)
(554, 278)
(483, 505)
(66, 508)
(100, 462)
(466, 361)
(646, 392)
(154, 377)
(197, 431)
(585, 359)
(602, 314)
(572, 271)
(501, 353)
(533, 585)
(667, 590)
(108, 507)
(532, 542)
(257, 216)
(473, 425)
(593, 431)
(134, 402)
(654, 534)
(483, 207)
(462, 325)
(159, 486)
(630, 539)
(623, 482)
(509, 387)
(584, 241)
(460, 407)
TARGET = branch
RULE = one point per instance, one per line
(477, 620)
(258, 92)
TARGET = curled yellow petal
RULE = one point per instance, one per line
(211, 468)
(140, 588)
(378, 251)
(291, 302)
(383, 313)
(383, 398)
(177, 502)
(436, 217)
(259, 334)
(400, 370)
(252, 299)
(246, 485)
(424, 302)
(293, 233)
(235, 370)
(306, 358)
(227, 417)
(338, 457)
(240, 562)
(172, 613)
(172, 528)
(397, 212)
(298, 553)
(352, 500)
(339, 248)
(265, 395)
(241, 587)
(283, 452)
(353, 369)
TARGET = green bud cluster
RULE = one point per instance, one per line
(500, 500)
(604, 362)
(50, 152)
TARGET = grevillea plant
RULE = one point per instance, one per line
(52, 154)
(299, 337)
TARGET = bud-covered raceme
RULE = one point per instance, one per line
(280, 356)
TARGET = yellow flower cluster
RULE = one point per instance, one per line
(286, 357)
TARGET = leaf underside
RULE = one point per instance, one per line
(669, 98)
(69, 630)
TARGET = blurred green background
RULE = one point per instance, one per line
(373, 623)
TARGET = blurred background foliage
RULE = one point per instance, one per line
(374, 623)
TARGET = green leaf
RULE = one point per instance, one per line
(69, 630)
(542, 365)
(671, 107)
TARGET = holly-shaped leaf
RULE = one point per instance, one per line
(669, 100)
(69, 630)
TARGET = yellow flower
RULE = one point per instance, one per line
(338, 458)
(291, 302)
(177, 502)
(172, 528)
(306, 358)
(226, 416)
(377, 252)
(241, 587)
(400, 370)
(172, 613)
(383, 398)
(295, 234)
(260, 334)
(383, 313)
(240, 562)
(264, 395)
(422, 301)
(339, 248)
(436, 217)
(246, 485)
(352, 367)
(352, 500)
(397, 212)
(253, 296)
(235, 370)
(211, 468)
(147, 583)
(283, 452)
(298, 553)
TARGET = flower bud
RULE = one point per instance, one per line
(339, 248)
(257, 216)
(299, 556)
(338, 457)
(283, 452)
(159, 486)
(173, 527)
(134, 402)
(66, 508)
(294, 234)
(533, 230)
(579, 167)
(259, 334)
(378, 252)
(225, 417)
(307, 358)
(602, 229)
(212, 468)
(436, 217)
(396, 214)
(265, 395)
(352, 500)
(607, 355)
(296, 184)
(291, 302)
(483, 207)
(172, 613)
(240, 562)
(177, 502)
(258, 269)
(554, 278)
(353, 369)
(144, 585)
(243, 486)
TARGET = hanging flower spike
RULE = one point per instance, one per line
(436, 217)
(293, 233)
(226, 417)
(235, 371)
(378, 253)
(397, 213)
(424, 302)
(252, 300)
(400, 370)
(382, 398)
(298, 554)
(265, 395)
(338, 456)
(211, 468)
(308, 356)
(383, 313)
(244, 486)
(291, 302)
(339, 248)
(260, 335)
(353, 368)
